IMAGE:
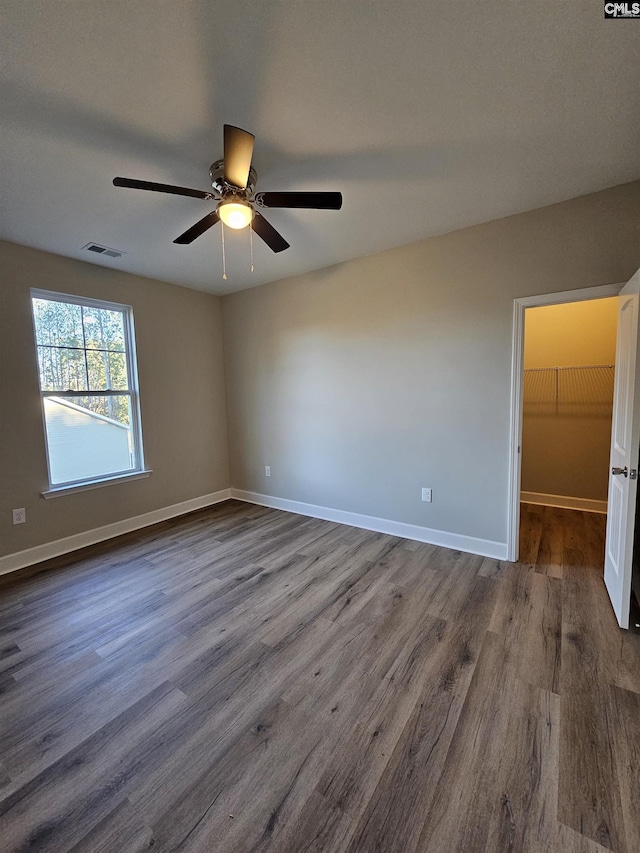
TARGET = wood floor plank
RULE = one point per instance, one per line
(528, 616)
(5, 779)
(251, 780)
(627, 756)
(628, 669)
(227, 694)
(530, 533)
(387, 821)
(320, 595)
(503, 739)
(313, 825)
(499, 787)
(369, 652)
(551, 548)
(590, 799)
(376, 727)
(491, 568)
(589, 779)
(7, 684)
(55, 810)
(121, 830)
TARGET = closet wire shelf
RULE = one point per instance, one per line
(581, 391)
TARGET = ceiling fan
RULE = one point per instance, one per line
(233, 180)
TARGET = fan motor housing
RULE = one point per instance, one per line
(216, 173)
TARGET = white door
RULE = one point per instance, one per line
(625, 447)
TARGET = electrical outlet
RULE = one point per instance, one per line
(426, 495)
(19, 516)
(267, 470)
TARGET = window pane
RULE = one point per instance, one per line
(107, 371)
(115, 408)
(88, 437)
(103, 329)
(118, 371)
(58, 323)
(62, 369)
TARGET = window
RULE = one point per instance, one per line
(89, 389)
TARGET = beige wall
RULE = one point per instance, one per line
(570, 334)
(179, 345)
(565, 447)
(361, 383)
(358, 384)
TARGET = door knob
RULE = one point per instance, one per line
(624, 471)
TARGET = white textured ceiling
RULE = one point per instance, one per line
(427, 116)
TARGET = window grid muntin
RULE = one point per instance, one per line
(83, 392)
(87, 353)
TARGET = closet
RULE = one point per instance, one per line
(567, 403)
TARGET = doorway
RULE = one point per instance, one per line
(568, 381)
(517, 396)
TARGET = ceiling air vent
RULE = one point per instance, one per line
(97, 249)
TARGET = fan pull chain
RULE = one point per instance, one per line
(224, 258)
(251, 245)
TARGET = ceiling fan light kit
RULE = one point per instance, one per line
(235, 212)
(233, 180)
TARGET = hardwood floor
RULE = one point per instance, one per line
(245, 680)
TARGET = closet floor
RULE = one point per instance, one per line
(551, 538)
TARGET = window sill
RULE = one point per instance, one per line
(58, 491)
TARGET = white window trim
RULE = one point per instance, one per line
(86, 485)
(137, 473)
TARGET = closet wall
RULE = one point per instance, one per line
(568, 397)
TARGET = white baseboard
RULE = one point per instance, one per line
(30, 556)
(456, 541)
(563, 502)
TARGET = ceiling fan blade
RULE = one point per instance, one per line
(238, 151)
(199, 228)
(309, 201)
(271, 237)
(161, 188)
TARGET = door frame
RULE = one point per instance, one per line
(517, 381)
